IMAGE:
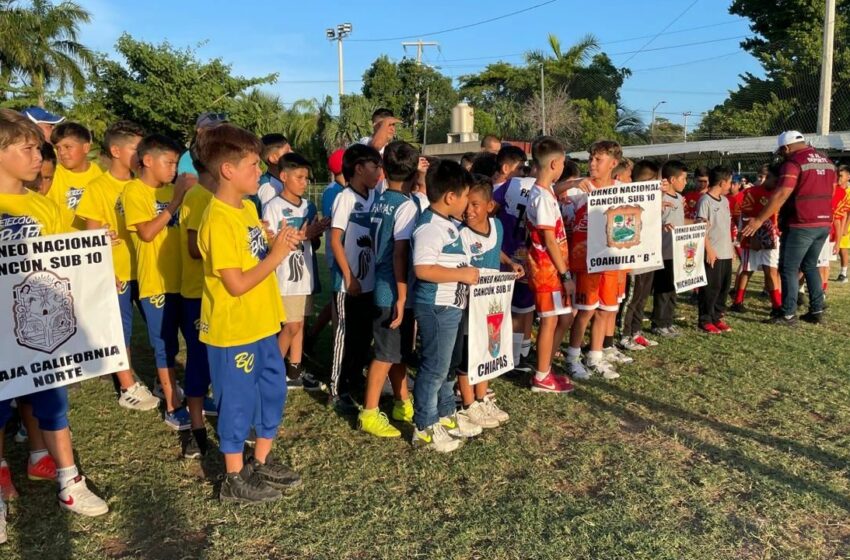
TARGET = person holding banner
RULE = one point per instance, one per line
(27, 214)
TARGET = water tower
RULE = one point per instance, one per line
(463, 123)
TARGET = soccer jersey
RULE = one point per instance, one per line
(512, 198)
(755, 200)
(544, 213)
(296, 272)
(436, 240)
(673, 213)
(234, 238)
(27, 215)
(270, 187)
(159, 259)
(67, 190)
(328, 198)
(101, 202)
(839, 209)
(716, 212)
(422, 201)
(352, 214)
(484, 248)
(574, 212)
(691, 201)
(192, 270)
(393, 218)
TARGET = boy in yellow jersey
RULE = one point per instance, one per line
(150, 209)
(241, 314)
(26, 214)
(101, 207)
(191, 288)
(72, 142)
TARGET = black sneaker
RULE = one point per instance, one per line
(247, 487)
(776, 312)
(842, 278)
(814, 318)
(782, 320)
(276, 475)
(294, 383)
(190, 447)
(523, 365)
(346, 405)
(310, 383)
(737, 308)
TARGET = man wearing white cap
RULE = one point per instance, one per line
(803, 199)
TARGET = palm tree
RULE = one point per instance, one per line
(561, 65)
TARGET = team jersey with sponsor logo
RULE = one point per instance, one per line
(270, 187)
(755, 199)
(574, 209)
(159, 259)
(192, 270)
(231, 237)
(67, 190)
(691, 201)
(102, 203)
(27, 215)
(393, 218)
(296, 274)
(544, 213)
(512, 198)
(715, 211)
(484, 248)
(352, 213)
(436, 240)
(673, 213)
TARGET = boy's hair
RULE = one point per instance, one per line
(358, 154)
(718, 174)
(844, 168)
(571, 170)
(15, 127)
(510, 154)
(609, 147)
(381, 113)
(485, 164)
(645, 170)
(444, 177)
(490, 138)
(482, 184)
(120, 131)
(545, 148)
(156, 144)
(467, 157)
(401, 161)
(48, 153)
(272, 142)
(624, 165)
(293, 161)
(673, 168)
(701, 171)
(70, 130)
(225, 143)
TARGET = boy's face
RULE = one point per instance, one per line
(679, 181)
(457, 203)
(21, 160)
(511, 170)
(245, 174)
(601, 165)
(625, 176)
(478, 208)
(71, 153)
(843, 177)
(124, 152)
(295, 181)
(369, 173)
(701, 183)
(48, 168)
(725, 186)
(162, 166)
(557, 165)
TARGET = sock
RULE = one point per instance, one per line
(517, 340)
(593, 356)
(540, 375)
(608, 342)
(844, 270)
(526, 347)
(573, 353)
(35, 456)
(825, 285)
(776, 298)
(739, 296)
(200, 435)
(66, 476)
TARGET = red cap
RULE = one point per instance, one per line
(335, 162)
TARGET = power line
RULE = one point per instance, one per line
(666, 27)
(688, 63)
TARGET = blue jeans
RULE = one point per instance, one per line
(433, 393)
(798, 250)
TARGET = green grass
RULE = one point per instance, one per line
(707, 447)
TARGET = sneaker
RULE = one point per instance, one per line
(523, 365)
(737, 308)
(722, 327)
(157, 392)
(210, 410)
(21, 435)
(776, 312)
(781, 319)
(8, 491)
(577, 369)
(43, 469)
(842, 278)
(435, 438)
(178, 419)
(3, 536)
(709, 328)
(604, 368)
(460, 425)
(138, 397)
(630, 344)
(566, 383)
(376, 423)
(246, 487)
(549, 384)
(346, 405)
(665, 332)
(310, 383)
(494, 411)
(294, 383)
(190, 448)
(403, 410)
(813, 318)
(643, 341)
(77, 497)
(275, 474)
(614, 356)
(479, 415)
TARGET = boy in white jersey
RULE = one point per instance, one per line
(443, 276)
(296, 273)
(353, 273)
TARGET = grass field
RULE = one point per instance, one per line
(732, 446)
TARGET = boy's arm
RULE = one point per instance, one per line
(192, 242)
(352, 286)
(148, 230)
(516, 267)
(401, 256)
(237, 282)
(440, 274)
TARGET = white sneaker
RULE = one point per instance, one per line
(435, 438)
(78, 498)
(577, 369)
(494, 411)
(157, 392)
(604, 368)
(478, 414)
(627, 343)
(138, 397)
(460, 425)
(3, 536)
(614, 356)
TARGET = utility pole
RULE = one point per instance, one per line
(420, 46)
(425, 131)
(542, 100)
(342, 31)
(652, 122)
(825, 100)
(686, 114)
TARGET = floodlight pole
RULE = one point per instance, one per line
(825, 99)
(337, 34)
(686, 114)
(652, 123)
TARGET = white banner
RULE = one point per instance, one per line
(689, 257)
(491, 351)
(624, 227)
(63, 324)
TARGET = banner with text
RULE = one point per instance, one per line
(689, 257)
(491, 351)
(58, 293)
(624, 227)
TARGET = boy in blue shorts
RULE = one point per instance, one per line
(241, 314)
(443, 275)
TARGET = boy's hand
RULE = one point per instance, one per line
(317, 227)
(184, 182)
(585, 185)
(113, 235)
(283, 243)
(518, 270)
(353, 287)
(423, 165)
(470, 275)
(710, 256)
(669, 227)
(384, 131)
(398, 314)
(268, 229)
(569, 288)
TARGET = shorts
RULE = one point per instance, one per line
(551, 304)
(197, 363)
(597, 290)
(162, 313)
(844, 243)
(523, 300)
(621, 285)
(50, 408)
(128, 294)
(249, 388)
(393, 346)
(826, 254)
(753, 261)
(297, 307)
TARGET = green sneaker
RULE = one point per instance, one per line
(376, 423)
(403, 410)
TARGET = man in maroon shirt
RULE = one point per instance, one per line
(804, 201)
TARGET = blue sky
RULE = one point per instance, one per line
(691, 69)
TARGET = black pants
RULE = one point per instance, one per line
(630, 316)
(352, 342)
(664, 296)
(712, 297)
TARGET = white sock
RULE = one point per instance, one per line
(35, 456)
(573, 353)
(526, 347)
(66, 475)
(517, 340)
(844, 270)
(594, 356)
(540, 375)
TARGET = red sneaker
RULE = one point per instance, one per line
(645, 342)
(44, 469)
(566, 383)
(549, 384)
(709, 329)
(722, 327)
(7, 489)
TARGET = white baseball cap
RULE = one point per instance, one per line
(789, 137)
